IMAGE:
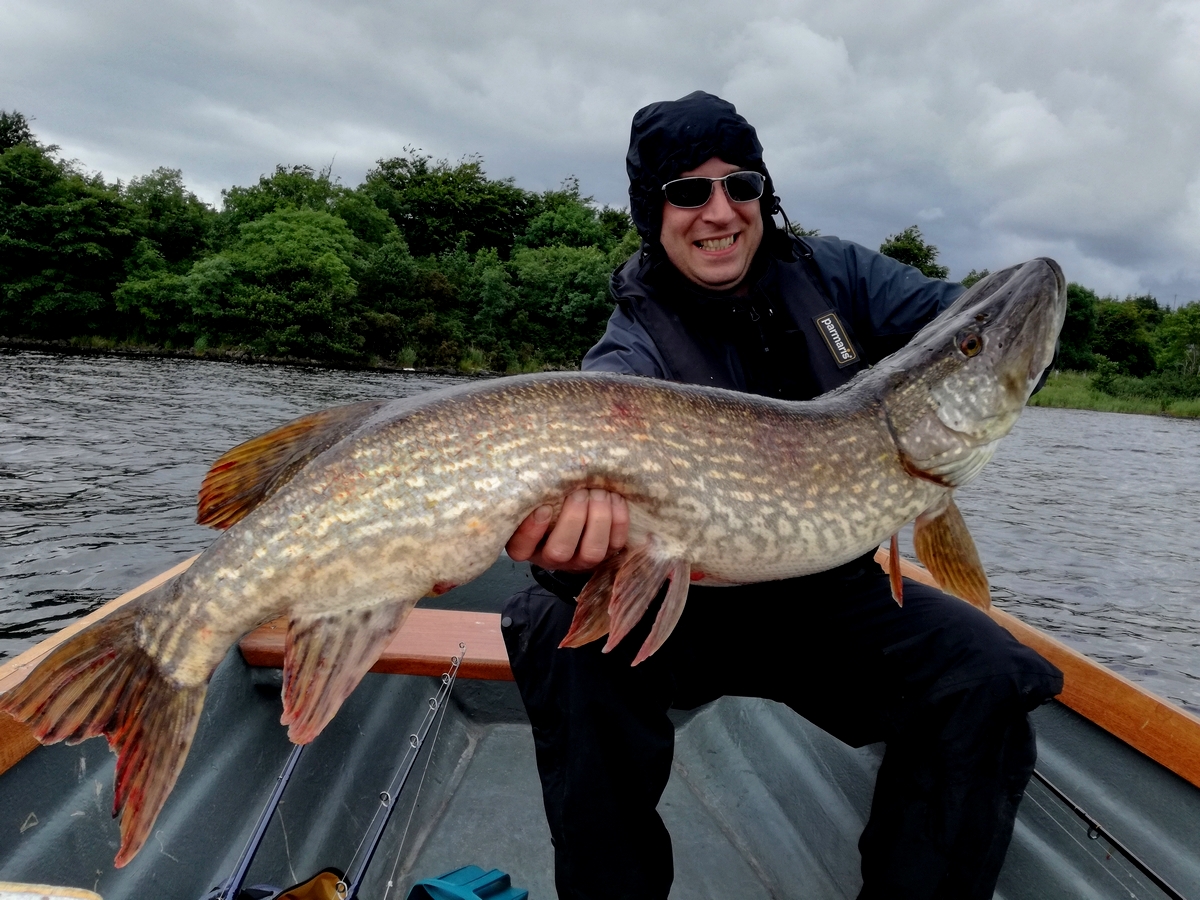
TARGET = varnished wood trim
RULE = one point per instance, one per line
(16, 742)
(45, 891)
(1164, 732)
(1161, 730)
(422, 647)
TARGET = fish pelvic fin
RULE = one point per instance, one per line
(945, 547)
(591, 606)
(326, 657)
(639, 577)
(245, 476)
(669, 612)
(100, 681)
(894, 578)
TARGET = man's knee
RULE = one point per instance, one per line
(969, 651)
(530, 619)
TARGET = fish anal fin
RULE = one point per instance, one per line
(639, 577)
(326, 657)
(245, 476)
(894, 578)
(591, 606)
(101, 682)
(945, 547)
(669, 612)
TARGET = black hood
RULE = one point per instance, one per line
(674, 136)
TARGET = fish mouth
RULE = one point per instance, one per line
(713, 245)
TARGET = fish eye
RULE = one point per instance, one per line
(969, 343)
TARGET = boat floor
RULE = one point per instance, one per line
(760, 804)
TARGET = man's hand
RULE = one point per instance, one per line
(593, 524)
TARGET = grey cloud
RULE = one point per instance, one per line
(1004, 130)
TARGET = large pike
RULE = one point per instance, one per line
(345, 518)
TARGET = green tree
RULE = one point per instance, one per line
(911, 248)
(288, 286)
(617, 223)
(1079, 329)
(1121, 337)
(567, 219)
(14, 129)
(154, 300)
(64, 237)
(438, 206)
(420, 305)
(1178, 340)
(302, 187)
(562, 301)
(1148, 309)
(167, 213)
(288, 187)
(974, 277)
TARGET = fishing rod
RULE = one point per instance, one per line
(1096, 830)
(347, 888)
(233, 886)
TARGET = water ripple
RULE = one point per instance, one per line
(1086, 522)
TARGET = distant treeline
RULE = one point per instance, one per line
(425, 263)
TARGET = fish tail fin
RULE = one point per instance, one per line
(100, 681)
(327, 655)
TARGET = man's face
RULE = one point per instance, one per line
(714, 244)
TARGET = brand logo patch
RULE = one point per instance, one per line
(834, 333)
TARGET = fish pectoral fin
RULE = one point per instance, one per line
(100, 681)
(326, 657)
(945, 547)
(591, 606)
(641, 573)
(669, 612)
(894, 578)
(245, 476)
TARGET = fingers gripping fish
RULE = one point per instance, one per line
(343, 519)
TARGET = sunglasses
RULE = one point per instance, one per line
(693, 192)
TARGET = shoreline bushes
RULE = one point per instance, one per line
(425, 263)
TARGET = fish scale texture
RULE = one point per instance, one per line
(744, 489)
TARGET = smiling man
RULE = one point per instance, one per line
(718, 295)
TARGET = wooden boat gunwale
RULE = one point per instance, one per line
(1140, 718)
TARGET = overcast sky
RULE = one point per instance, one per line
(1006, 130)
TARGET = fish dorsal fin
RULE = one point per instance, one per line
(251, 472)
(326, 657)
(946, 549)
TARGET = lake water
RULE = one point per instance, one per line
(1086, 522)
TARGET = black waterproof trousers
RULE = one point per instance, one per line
(947, 689)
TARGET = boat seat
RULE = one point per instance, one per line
(423, 646)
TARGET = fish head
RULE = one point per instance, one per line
(960, 384)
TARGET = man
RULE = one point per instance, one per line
(719, 296)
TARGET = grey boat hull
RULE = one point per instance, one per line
(761, 804)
